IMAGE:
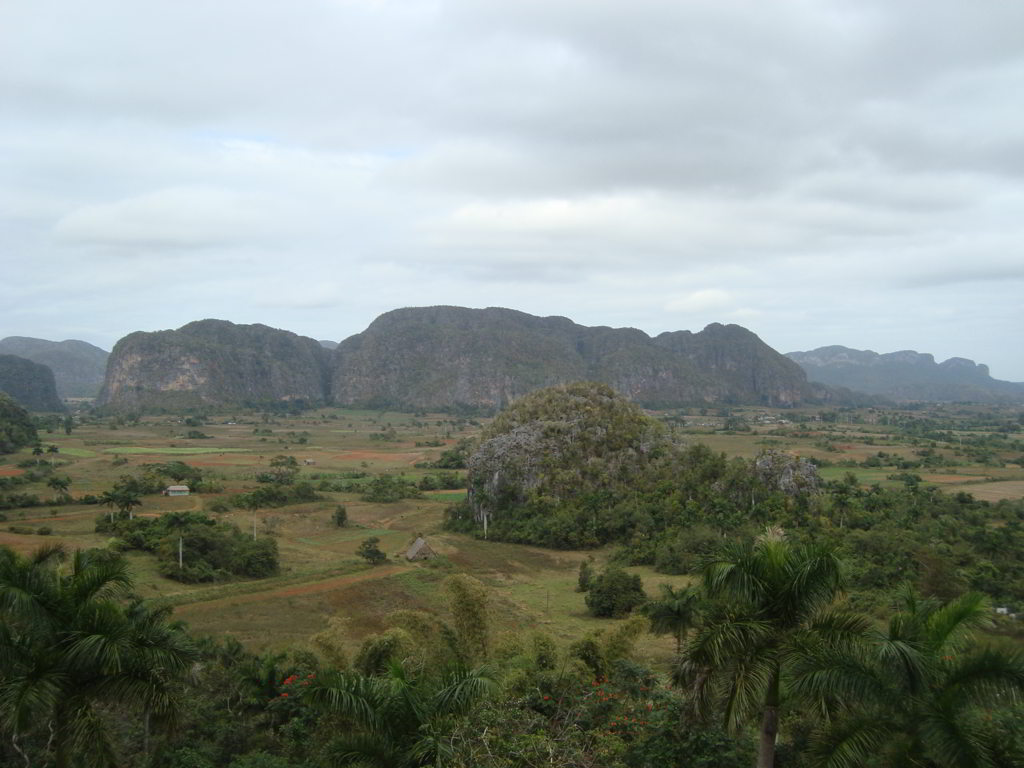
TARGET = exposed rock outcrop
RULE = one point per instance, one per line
(560, 443)
(214, 363)
(450, 357)
(790, 474)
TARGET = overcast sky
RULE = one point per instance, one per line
(819, 172)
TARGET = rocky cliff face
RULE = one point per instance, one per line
(446, 357)
(30, 384)
(749, 370)
(213, 363)
(78, 367)
(906, 375)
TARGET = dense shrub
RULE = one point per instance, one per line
(614, 593)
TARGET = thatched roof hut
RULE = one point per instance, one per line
(420, 550)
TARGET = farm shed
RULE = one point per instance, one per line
(419, 550)
(176, 490)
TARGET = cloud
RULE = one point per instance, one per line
(180, 217)
(700, 301)
(825, 171)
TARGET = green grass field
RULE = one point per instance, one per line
(321, 576)
(173, 450)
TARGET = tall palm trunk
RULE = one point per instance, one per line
(769, 725)
(62, 745)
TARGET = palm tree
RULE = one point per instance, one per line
(399, 719)
(125, 499)
(772, 600)
(675, 613)
(178, 521)
(61, 485)
(68, 643)
(912, 695)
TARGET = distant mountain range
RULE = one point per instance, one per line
(449, 358)
(906, 376)
(78, 367)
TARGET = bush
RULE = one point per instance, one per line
(340, 516)
(370, 552)
(385, 489)
(615, 593)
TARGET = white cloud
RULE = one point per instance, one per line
(700, 301)
(826, 172)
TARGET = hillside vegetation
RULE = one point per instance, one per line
(579, 466)
(313, 642)
(214, 363)
(16, 427)
(446, 357)
(450, 359)
(32, 385)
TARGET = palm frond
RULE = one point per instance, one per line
(27, 700)
(842, 676)
(749, 681)
(90, 739)
(951, 626)
(950, 740)
(349, 694)
(462, 688)
(984, 676)
(850, 743)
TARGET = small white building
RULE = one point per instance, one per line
(176, 490)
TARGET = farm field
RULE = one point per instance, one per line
(321, 575)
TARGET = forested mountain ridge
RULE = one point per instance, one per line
(78, 367)
(444, 357)
(906, 375)
(213, 363)
(449, 358)
(30, 384)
